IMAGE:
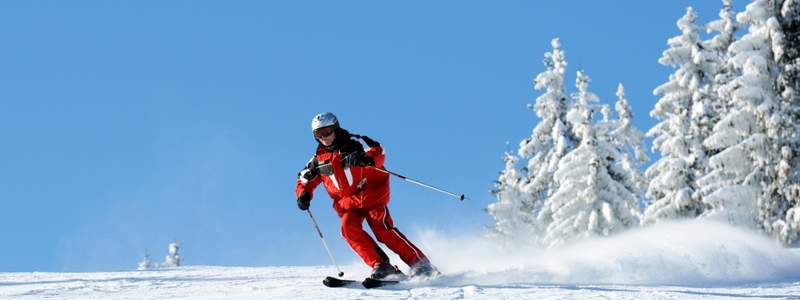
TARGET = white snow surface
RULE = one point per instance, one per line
(688, 260)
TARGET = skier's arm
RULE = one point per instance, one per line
(374, 151)
(308, 179)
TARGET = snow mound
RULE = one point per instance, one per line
(690, 253)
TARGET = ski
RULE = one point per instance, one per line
(334, 282)
(372, 283)
(369, 282)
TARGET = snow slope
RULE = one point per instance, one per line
(673, 261)
(304, 283)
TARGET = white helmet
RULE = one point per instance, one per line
(324, 120)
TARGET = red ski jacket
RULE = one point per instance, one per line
(347, 168)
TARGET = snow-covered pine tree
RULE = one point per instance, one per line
(145, 264)
(717, 54)
(581, 114)
(740, 169)
(779, 205)
(684, 111)
(513, 211)
(588, 200)
(550, 140)
(723, 73)
(630, 149)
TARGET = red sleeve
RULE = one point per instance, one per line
(377, 155)
(304, 185)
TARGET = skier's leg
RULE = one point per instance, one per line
(358, 239)
(381, 224)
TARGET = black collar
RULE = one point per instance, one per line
(342, 137)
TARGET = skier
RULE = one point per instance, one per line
(359, 192)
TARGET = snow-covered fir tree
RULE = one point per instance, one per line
(581, 114)
(724, 72)
(513, 211)
(630, 148)
(565, 193)
(717, 55)
(779, 204)
(145, 264)
(685, 111)
(520, 199)
(551, 138)
(740, 169)
(589, 199)
(728, 138)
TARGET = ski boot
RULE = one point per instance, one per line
(385, 270)
(424, 269)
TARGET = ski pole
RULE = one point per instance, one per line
(460, 197)
(324, 243)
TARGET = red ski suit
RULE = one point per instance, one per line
(359, 192)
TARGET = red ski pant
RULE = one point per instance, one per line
(380, 222)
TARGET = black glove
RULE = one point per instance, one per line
(358, 159)
(308, 174)
(310, 171)
(364, 160)
(304, 201)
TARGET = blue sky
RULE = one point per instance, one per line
(127, 125)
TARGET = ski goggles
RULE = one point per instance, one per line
(323, 132)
